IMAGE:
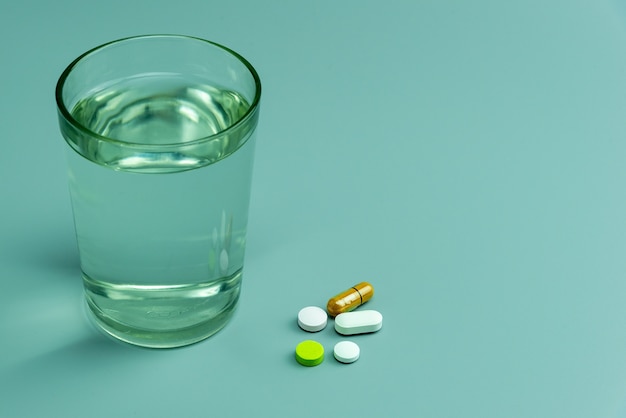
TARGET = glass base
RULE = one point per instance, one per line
(162, 316)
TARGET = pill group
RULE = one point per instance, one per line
(347, 322)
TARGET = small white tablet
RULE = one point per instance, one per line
(312, 318)
(346, 352)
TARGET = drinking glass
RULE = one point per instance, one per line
(160, 134)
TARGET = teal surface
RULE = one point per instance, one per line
(466, 158)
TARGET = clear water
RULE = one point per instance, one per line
(161, 235)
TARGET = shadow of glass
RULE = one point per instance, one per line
(49, 247)
(91, 356)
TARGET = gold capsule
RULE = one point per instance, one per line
(346, 301)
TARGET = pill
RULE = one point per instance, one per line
(312, 318)
(359, 322)
(346, 352)
(346, 301)
(309, 353)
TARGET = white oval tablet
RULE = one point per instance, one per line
(358, 322)
(312, 318)
(346, 352)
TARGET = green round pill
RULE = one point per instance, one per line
(309, 353)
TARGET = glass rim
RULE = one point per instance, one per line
(62, 108)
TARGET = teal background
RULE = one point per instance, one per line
(465, 157)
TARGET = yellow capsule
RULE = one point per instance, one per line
(346, 301)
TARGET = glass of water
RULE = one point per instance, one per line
(160, 134)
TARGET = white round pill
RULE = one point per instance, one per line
(346, 352)
(312, 318)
